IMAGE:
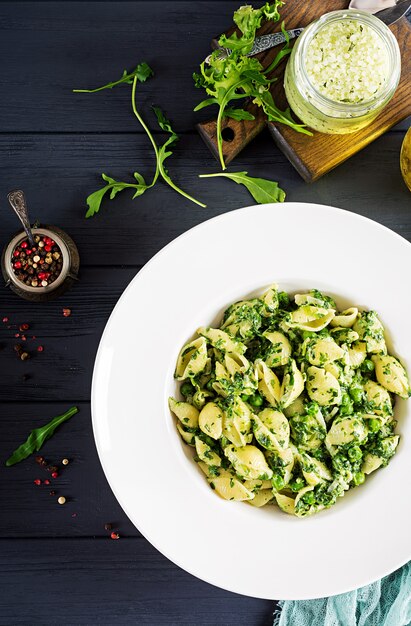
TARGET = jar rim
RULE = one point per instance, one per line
(385, 35)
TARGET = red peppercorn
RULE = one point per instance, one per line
(24, 327)
(115, 535)
(16, 253)
(47, 248)
(28, 251)
(23, 337)
(40, 348)
(37, 481)
(5, 320)
(47, 482)
(17, 334)
(54, 474)
(66, 312)
(17, 265)
(24, 245)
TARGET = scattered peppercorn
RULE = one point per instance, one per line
(54, 474)
(61, 500)
(40, 348)
(5, 320)
(52, 468)
(37, 481)
(47, 482)
(24, 327)
(66, 312)
(74, 515)
(52, 493)
(107, 527)
(39, 459)
(65, 461)
(114, 535)
(24, 356)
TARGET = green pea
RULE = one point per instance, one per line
(297, 484)
(245, 398)
(347, 407)
(355, 453)
(255, 400)
(357, 394)
(278, 482)
(309, 497)
(359, 478)
(187, 389)
(374, 425)
(368, 366)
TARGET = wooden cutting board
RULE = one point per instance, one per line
(312, 156)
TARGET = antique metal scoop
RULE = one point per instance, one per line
(19, 206)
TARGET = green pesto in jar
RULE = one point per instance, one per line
(343, 70)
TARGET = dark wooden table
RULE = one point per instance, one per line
(58, 564)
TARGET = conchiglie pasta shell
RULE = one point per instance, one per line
(323, 387)
(210, 420)
(186, 413)
(262, 497)
(346, 318)
(357, 354)
(311, 318)
(391, 375)
(192, 359)
(248, 461)
(322, 351)
(281, 350)
(378, 397)
(371, 463)
(292, 385)
(285, 503)
(230, 488)
(257, 484)
(206, 454)
(268, 383)
(346, 430)
(221, 340)
(185, 436)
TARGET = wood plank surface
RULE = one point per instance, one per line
(107, 582)
(129, 232)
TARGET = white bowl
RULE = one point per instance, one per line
(258, 552)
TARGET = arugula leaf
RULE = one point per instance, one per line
(114, 186)
(238, 114)
(238, 76)
(38, 437)
(142, 72)
(262, 190)
(164, 152)
(161, 153)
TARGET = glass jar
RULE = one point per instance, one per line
(331, 116)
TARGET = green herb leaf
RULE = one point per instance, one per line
(238, 114)
(38, 437)
(164, 152)
(239, 76)
(142, 72)
(262, 190)
(114, 187)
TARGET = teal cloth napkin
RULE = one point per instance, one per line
(386, 602)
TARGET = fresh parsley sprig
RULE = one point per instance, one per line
(238, 76)
(113, 187)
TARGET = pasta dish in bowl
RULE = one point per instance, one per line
(284, 396)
